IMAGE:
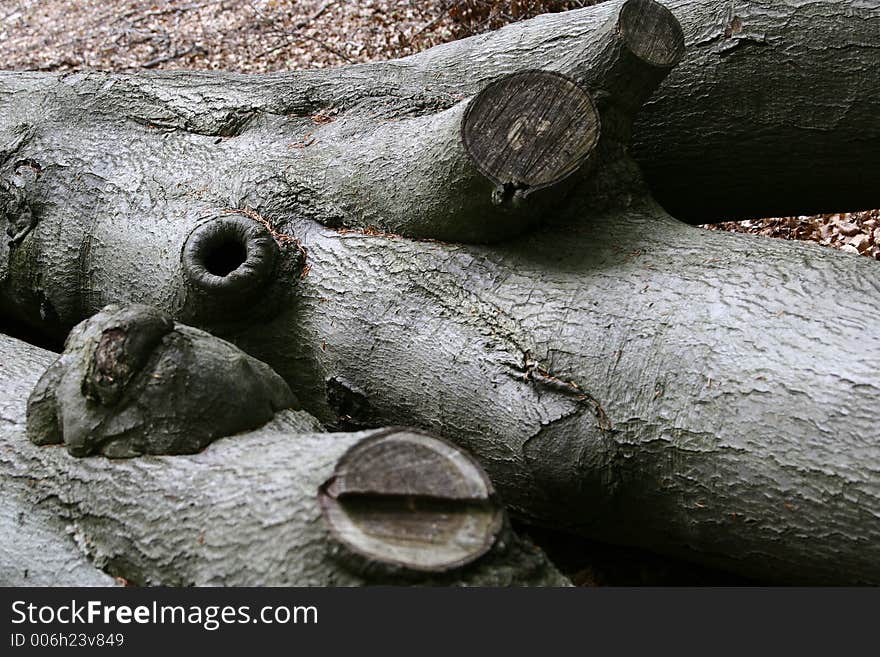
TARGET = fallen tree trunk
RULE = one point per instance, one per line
(631, 379)
(37, 549)
(616, 372)
(771, 113)
(244, 512)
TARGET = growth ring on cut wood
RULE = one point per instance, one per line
(530, 129)
(651, 32)
(407, 499)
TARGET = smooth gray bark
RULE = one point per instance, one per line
(618, 373)
(244, 512)
(631, 378)
(37, 550)
(772, 112)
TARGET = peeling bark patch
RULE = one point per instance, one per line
(372, 231)
(235, 123)
(19, 136)
(122, 350)
(733, 44)
(15, 212)
(231, 124)
(28, 167)
(109, 362)
(735, 26)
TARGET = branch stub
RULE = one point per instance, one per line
(530, 129)
(407, 499)
(651, 32)
(229, 257)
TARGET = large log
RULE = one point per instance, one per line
(772, 112)
(618, 373)
(246, 510)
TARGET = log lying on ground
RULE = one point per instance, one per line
(630, 378)
(36, 549)
(460, 175)
(433, 175)
(771, 113)
(617, 373)
(246, 510)
(649, 394)
(463, 174)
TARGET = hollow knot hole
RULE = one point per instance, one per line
(225, 256)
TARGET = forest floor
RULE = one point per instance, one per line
(261, 36)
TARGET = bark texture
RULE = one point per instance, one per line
(244, 512)
(772, 112)
(787, 89)
(633, 379)
(617, 372)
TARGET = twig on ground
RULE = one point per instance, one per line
(194, 49)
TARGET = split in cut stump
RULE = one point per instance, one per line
(410, 500)
(529, 130)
